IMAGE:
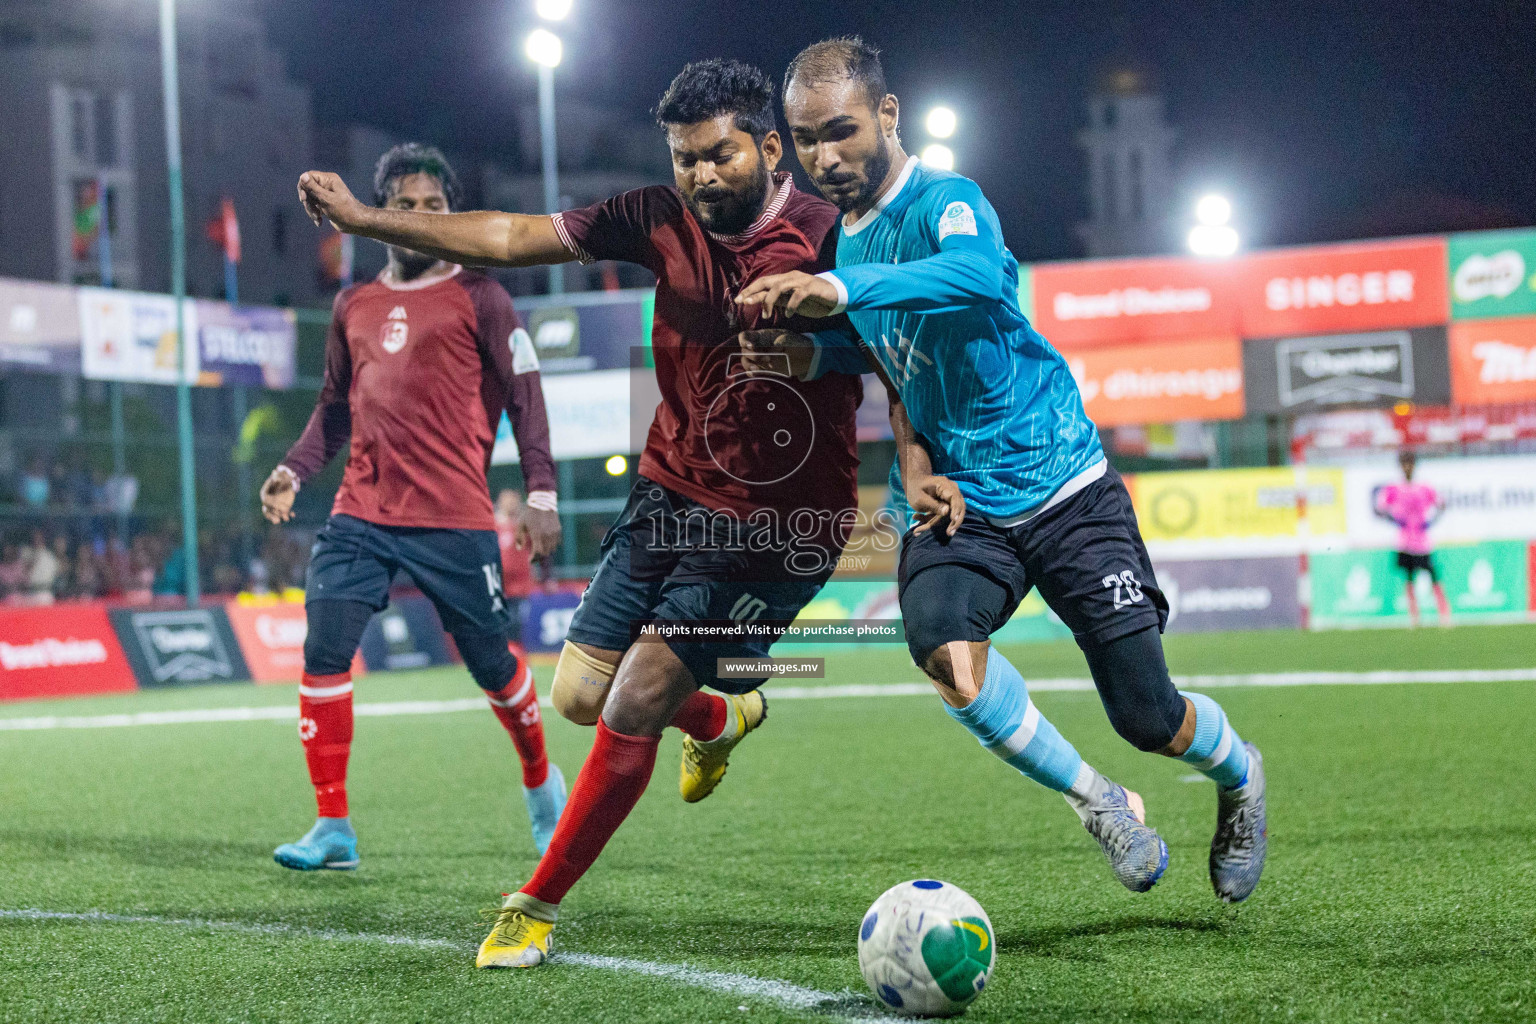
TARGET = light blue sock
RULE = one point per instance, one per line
(324, 826)
(1005, 721)
(1217, 751)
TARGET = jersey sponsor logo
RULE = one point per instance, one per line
(524, 358)
(398, 313)
(394, 335)
(1127, 589)
(958, 219)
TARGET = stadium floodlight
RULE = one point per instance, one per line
(544, 48)
(1216, 240)
(616, 465)
(1213, 209)
(941, 122)
(938, 155)
(552, 10)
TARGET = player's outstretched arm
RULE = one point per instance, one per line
(485, 238)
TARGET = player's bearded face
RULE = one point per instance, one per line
(843, 141)
(728, 205)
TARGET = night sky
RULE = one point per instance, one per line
(1321, 120)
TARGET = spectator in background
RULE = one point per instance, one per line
(89, 579)
(34, 487)
(516, 560)
(13, 571)
(42, 570)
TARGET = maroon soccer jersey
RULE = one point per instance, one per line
(417, 375)
(725, 438)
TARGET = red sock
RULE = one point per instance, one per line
(702, 716)
(517, 706)
(1441, 604)
(615, 774)
(325, 727)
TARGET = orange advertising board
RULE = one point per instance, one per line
(271, 635)
(1493, 361)
(1116, 301)
(1328, 288)
(1192, 379)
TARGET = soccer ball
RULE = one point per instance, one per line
(926, 948)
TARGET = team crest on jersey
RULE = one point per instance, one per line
(395, 332)
(958, 219)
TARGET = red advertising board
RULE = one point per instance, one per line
(1192, 379)
(1493, 362)
(1357, 287)
(1117, 301)
(271, 636)
(63, 650)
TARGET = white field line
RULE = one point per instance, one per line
(386, 709)
(796, 997)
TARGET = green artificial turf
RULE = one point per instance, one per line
(1401, 882)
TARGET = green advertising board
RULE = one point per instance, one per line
(1493, 274)
(1487, 580)
(840, 600)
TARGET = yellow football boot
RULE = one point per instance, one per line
(516, 939)
(704, 762)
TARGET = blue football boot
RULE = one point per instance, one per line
(330, 844)
(545, 803)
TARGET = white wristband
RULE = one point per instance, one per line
(544, 501)
(293, 478)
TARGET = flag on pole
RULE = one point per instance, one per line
(224, 230)
(87, 222)
(336, 259)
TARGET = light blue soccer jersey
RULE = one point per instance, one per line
(929, 285)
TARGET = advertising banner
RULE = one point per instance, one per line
(271, 634)
(588, 415)
(407, 634)
(1373, 368)
(187, 645)
(1493, 274)
(62, 650)
(1493, 361)
(131, 336)
(1108, 301)
(1489, 581)
(39, 327)
(1343, 288)
(547, 620)
(1234, 512)
(1196, 379)
(1205, 595)
(589, 331)
(1486, 498)
(253, 345)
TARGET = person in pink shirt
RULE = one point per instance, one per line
(1414, 508)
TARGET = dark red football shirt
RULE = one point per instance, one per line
(726, 438)
(417, 375)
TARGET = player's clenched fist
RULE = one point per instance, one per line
(794, 294)
(935, 499)
(539, 530)
(326, 197)
(277, 495)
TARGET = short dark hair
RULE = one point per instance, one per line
(414, 158)
(709, 88)
(847, 57)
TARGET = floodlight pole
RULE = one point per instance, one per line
(550, 164)
(172, 98)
